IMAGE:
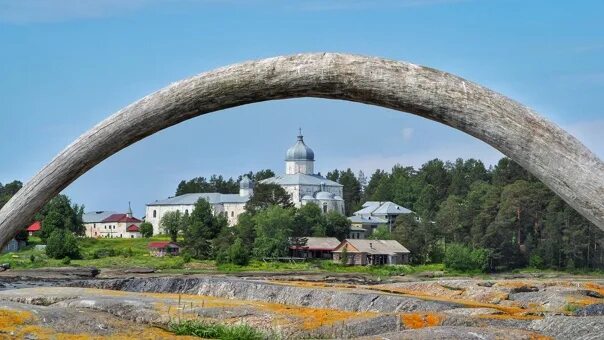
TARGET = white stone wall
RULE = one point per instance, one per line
(231, 210)
(155, 213)
(299, 167)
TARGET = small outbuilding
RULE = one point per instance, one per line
(371, 252)
(34, 228)
(163, 248)
(315, 248)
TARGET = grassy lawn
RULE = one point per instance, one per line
(128, 253)
(101, 253)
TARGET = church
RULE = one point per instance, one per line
(299, 181)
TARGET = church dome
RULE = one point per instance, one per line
(246, 183)
(324, 195)
(308, 198)
(300, 152)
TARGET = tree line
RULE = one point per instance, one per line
(503, 210)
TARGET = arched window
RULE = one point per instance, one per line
(186, 211)
(154, 213)
(324, 208)
(232, 213)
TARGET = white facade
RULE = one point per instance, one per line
(228, 205)
(111, 225)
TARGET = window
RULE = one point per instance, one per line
(232, 213)
(324, 207)
(131, 236)
(154, 213)
(186, 211)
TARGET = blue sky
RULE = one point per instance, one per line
(66, 65)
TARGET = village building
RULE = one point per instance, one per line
(92, 219)
(163, 248)
(299, 181)
(34, 228)
(375, 214)
(111, 225)
(371, 252)
(315, 248)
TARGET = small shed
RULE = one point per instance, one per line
(315, 248)
(34, 227)
(371, 252)
(163, 248)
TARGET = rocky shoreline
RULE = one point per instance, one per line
(299, 306)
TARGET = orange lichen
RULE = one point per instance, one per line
(183, 304)
(11, 318)
(418, 320)
(467, 303)
(314, 317)
(598, 288)
(583, 300)
(509, 317)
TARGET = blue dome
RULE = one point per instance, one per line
(246, 183)
(300, 152)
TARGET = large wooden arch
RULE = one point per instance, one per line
(550, 153)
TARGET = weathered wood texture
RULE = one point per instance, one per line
(547, 151)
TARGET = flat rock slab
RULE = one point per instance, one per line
(576, 328)
(52, 273)
(347, 300)
(460, 333)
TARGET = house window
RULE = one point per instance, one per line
(154, 213)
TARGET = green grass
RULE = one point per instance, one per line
(208, 330)
(101, 253)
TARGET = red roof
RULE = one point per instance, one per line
(162, 244)
(117, 218)
(132, 228)
(36, 226)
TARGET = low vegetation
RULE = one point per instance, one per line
(207, 330)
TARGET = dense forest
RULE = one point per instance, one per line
(502, 210)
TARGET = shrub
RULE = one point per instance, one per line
(238, 254)
(146, 229)
(103, 252)
(536, 261)
(208, 330)
(186, 257)
(61, 244)
(463, 258)
(66, 260)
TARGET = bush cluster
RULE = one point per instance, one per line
(463, 258)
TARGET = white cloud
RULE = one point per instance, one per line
(407, 134)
